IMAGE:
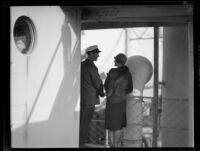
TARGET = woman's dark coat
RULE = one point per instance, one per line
(115, 112)
(123, 86)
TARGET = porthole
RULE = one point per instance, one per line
(24, 34)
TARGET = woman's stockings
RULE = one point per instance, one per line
(117, 138)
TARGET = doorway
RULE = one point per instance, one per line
(130, 41)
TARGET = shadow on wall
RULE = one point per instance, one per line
(60, 130)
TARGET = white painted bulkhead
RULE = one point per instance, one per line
(177, 117)
(45, 84)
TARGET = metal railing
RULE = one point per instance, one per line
(98, 135)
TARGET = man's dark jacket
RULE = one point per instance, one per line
(91, 83)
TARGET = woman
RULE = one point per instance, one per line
(117, 84)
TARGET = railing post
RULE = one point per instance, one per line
(106, 142)
(155, 90)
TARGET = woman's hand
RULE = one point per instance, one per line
(101, 106)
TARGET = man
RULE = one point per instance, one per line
(91, 89)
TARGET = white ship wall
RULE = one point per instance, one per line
(45, 85)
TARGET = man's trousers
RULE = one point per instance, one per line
(86, 114)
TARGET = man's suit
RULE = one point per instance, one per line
(91, 89)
